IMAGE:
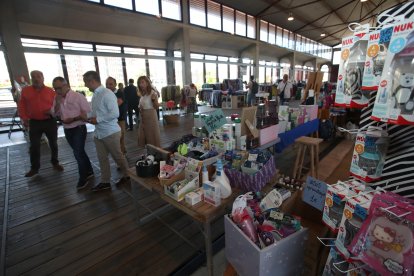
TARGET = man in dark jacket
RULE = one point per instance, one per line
(132, 100)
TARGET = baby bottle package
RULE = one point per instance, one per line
(369, 154)
(355, 213)
(375, 59)
(351, 69)
(335, 200)
(395, 96)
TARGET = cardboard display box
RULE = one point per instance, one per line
(285, 257)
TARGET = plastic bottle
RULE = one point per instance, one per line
(237, 127)
(222, 180)
(205, 174)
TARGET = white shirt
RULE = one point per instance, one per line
(146, 102)
(287, 89)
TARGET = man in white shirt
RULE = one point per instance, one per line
(285, 89)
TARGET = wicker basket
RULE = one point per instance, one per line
(172, 119)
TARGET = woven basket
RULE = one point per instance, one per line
(172, 119)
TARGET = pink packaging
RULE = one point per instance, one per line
(268, 134)
(385, 241)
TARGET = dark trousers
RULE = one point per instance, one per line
(76, 138)
(131, 109)
(36, 129)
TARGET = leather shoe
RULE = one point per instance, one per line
(123, 180)
(58, 167)
(31, 173)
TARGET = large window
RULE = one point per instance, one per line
(147, 6)
(240, 23)
(49, 64)
(251, 27)
(158, 72)
(197, 12)
(197, 73)
(228, 20)
(233, 71)
(272, 30)
(171, 9)
(110, 67)
(4, 74)
(279, 36)
(135, 68)
(77, 66)
(213, 15)
(223, 71)
(126, 4)
(178, 66)
(211, 72)
(263, 30)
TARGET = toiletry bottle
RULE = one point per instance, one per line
(222, 180)
(205, 174)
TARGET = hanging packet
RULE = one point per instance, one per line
(369, 154)
(395, 97)
(351, 69)
(377, 48)
(385, 241)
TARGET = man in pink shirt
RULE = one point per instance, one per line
(72, 108)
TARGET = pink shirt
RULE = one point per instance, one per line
(72, 106)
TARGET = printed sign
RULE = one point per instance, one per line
(214, 120)
(314, 193)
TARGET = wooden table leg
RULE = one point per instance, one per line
(317, 161)
(209, 248)
(302, 159)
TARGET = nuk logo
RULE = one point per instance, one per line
(374, 36)
(367, 64)
(348, 41)
(360, 138)
(403, 27)
(340, 77)
(383, 83)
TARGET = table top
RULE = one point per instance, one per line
(202, 212)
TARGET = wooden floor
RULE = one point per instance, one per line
(54, 229)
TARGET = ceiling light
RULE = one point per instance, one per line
(290, 18)
(323, 34)
(364, 0)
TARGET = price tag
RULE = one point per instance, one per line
(314, 193)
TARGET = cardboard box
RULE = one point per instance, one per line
(194, 197)
(269, 134)
(285, 257)
(179, 195)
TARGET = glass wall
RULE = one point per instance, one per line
(110, 67)
(197, 73)
(135, 67)
(158, 72)
(4, 74)
(49, 64)
(77, 66)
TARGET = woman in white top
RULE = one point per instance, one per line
(149, 131)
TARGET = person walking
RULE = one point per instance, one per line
(34, 110)
(285, 89)
(149, 131)
(72, 109)
(104, 116)
(132, 100)
(111, 85)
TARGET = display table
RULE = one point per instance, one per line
(202, 213)
(287, 138)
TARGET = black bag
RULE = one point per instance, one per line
(255, 88)
(326, 129)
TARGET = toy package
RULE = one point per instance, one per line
(369, 154)
(351, 70)
(385, 241)
(395, 96)
(378, 44)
